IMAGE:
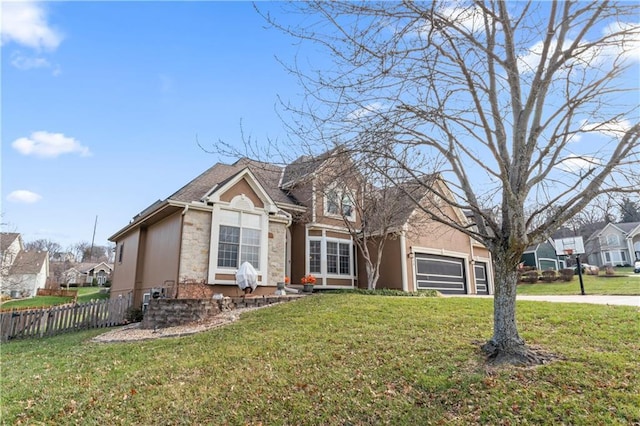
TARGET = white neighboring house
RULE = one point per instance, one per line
(85, 273)
(615, 244)
(22, 272)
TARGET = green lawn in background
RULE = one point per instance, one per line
(336, 359)
(85, 294)
(601, 284)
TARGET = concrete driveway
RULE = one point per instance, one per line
(595, 299)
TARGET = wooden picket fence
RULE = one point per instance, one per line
(60, 319)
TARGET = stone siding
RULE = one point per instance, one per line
(163, 313)
(196, 240)
(277, 253)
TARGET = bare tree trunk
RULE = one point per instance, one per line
(506, 344)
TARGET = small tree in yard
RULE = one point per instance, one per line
(519, 104)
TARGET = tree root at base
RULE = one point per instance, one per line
(517, 355)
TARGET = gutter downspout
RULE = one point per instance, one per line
(184, 212)
(403, 261)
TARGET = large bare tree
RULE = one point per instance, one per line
(525, 103)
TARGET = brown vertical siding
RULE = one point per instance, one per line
(124, 273)
(390, 267)
(161, 253)
(298, 252)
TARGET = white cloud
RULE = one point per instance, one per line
(24, 62)
(364, 111)
(576, 164)
(24, 196)
(617, 46)
(25, 23)
(45, 144)
(616, 129)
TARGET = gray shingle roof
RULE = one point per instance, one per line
(6, 238)
(28, 262)
(268, 175)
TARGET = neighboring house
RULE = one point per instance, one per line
(543, 256)
(22, 272)
(616, 244)
(285, 221)
(85, 274)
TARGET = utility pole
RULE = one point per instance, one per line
(95, 225)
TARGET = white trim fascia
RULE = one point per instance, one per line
(313, 200)
(403, 261)
(294, 207)
(216, 192)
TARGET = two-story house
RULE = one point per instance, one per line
(285, 221)
(22, 272)
(616, 244)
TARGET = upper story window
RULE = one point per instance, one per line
(120, 252)
(612, 240)
(339, 203)
(239, 239)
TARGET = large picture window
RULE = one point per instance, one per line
(239, 239)
(335, 256)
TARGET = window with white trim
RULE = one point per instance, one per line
(315, 256)
(330, 257)
(239, 239)
(612, 240)
(339, 203)
(338, 258)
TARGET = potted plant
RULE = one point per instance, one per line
(308, 282)
(281, 284)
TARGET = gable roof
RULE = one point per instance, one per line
(404, 197)
(305, 166)
(624, 227)
(6, 239)
(85, 267)
(28, 262)
(268, 175)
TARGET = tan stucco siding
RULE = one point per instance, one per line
(298, 252)
(242, 188)
(339, 235)
(124, 273)
(161, 253)
(195, 246)
(390, 267)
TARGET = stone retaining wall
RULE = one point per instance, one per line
(162, 313)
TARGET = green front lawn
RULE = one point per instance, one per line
(622, 285)
(85, 294)
(333, 360)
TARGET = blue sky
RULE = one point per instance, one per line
(102, 102)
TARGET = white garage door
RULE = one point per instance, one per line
(442, 273)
